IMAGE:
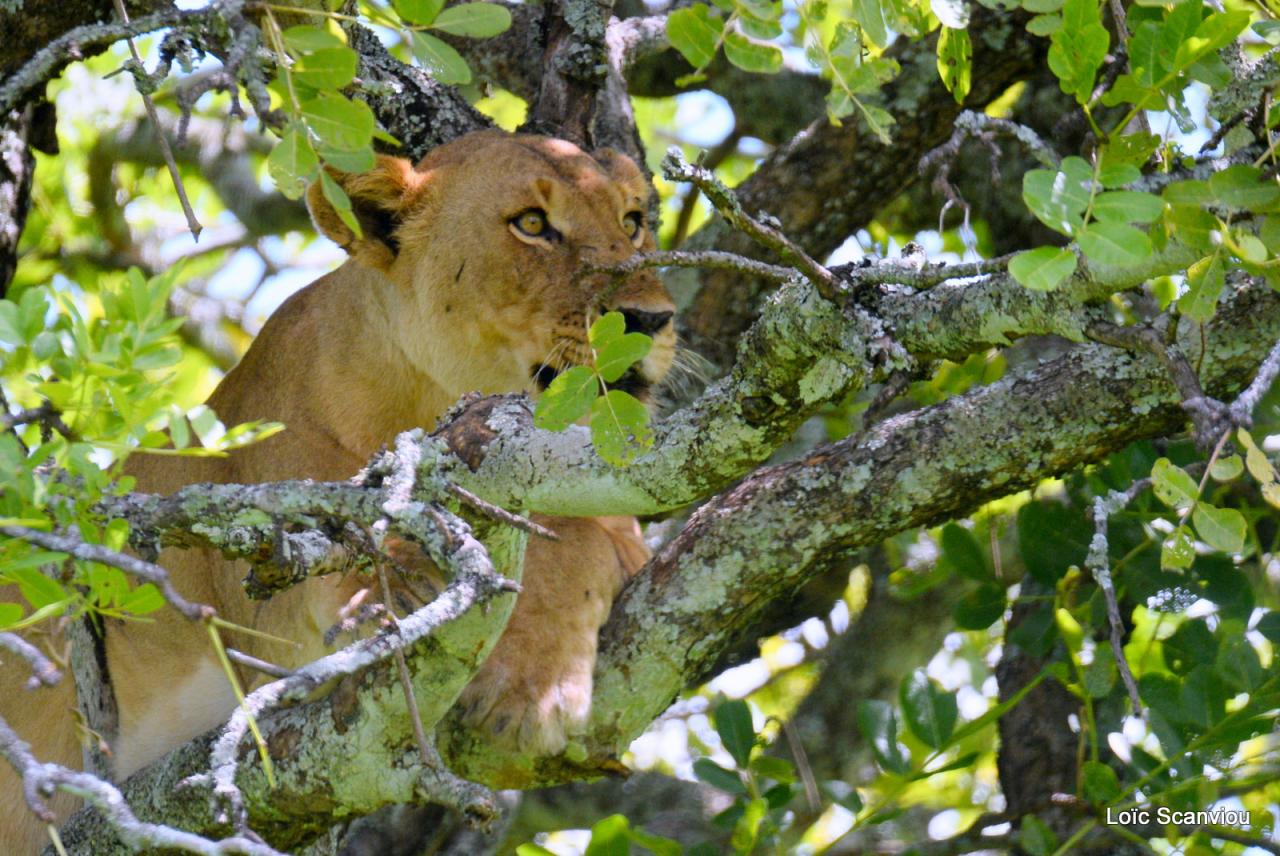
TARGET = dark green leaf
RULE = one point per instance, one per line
(980, 608)
(1052, 537)
(929, 710)
(961, 553)
(879, 724)
(718, 777)
(1101, 785)
(1192, 644)
(733, 724)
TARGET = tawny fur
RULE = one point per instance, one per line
(456, 300)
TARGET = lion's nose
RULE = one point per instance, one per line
(641, 321)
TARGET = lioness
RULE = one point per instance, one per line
(466, 278)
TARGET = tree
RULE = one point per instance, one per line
(1051, 454)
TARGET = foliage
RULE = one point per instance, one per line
(1191, 560)
(105, 363)
(619, 421)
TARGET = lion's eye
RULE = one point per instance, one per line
(534, 224)
(633, 222)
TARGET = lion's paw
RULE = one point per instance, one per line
(531, 714)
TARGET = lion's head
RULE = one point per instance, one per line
(485, 244)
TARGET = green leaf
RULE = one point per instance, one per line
(1078, 48)
(361, 160)
(39, 590)
(1205, 280)
(341, 203)
(1227, 468)
(1269, 626)
(878, 723)
(1239, 665)
(292, 163)
(778, 769)
(144, 599)
(718, 777)
(871, 17)
(1112, 243)
(749, 54)
(309, 39)
(1044, 25)
(339, 122)
(567, 399)
(747, 829)
(1118, 174)
(610, 837)
(1101, 785)
(695, 33)
(474, 20)
(962, 554)
(1173, 485)
(1052, 537)
(1100, 674)
(10, 614)
(1192, 226)
(1221, 528)
(1044, 268)
(443, 62)
(980, 608)
(1127, 206)
(1178, 550)
(929, 710)
(733, 724)
(1036, 837)
(1059, 198)
(620, 427)
(606, 330)
(328, 68)
(1191, 645)
(418, 11)
(1243, 187)
(955, 62)
(534, 850)
(621, 355)
(1130, 149)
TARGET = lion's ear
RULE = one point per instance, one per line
(379, 200)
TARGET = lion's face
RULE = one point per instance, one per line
(488, 242)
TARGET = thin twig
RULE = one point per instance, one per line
(269, 669)
(40, 780)
(1242, 408)
(192, 223)
(132, 565)
(43, 672)
(689, 203)
(763, 229)
(715, 259)
(501, 515)
(1099, 565)
(426, 751)
(45, 414)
